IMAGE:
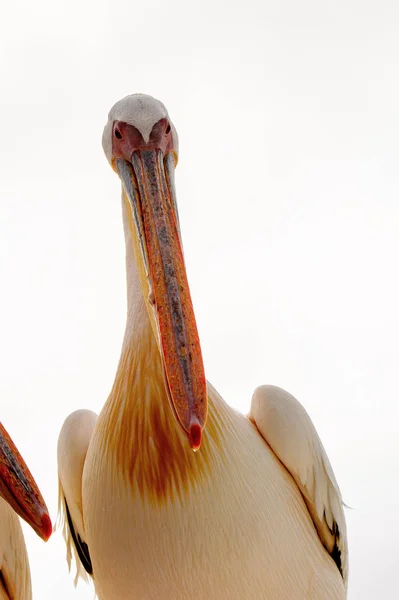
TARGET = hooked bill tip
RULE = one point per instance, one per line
(47, 527)
(195, 435)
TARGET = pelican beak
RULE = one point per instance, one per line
(147, 173)
(19, 489)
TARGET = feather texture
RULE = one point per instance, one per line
(289, 431)
(15, 580)
(73, 443)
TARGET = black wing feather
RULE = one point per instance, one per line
(81, 546)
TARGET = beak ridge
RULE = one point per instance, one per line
(148, 188)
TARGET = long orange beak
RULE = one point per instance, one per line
(19, 489)
(146, 171)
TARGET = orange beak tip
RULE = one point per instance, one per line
(47, 527)
(195, 435)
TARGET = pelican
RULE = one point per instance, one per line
(19, 495)
(171, 494)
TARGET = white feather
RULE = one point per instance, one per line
(14, 564)
(73, 443)
(287, 428)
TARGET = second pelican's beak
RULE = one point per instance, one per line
(146, 170)
(19, 489)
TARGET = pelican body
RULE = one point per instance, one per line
(19, 495)
(171, 494)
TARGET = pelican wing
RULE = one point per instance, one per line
(15, 581)
(73, 443)
(287, 428)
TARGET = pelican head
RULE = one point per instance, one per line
(19, 489)
(141, 144)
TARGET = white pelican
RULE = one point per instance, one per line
(19, 493)
(256, 513)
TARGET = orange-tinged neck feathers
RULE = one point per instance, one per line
(143, 437)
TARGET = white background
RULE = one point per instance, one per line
(288, 194)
